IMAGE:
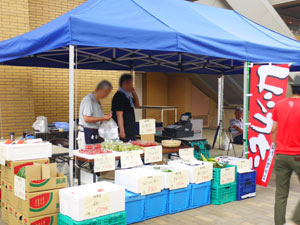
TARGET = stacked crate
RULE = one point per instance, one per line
(223, 185)
(201, 147)
(246, 185)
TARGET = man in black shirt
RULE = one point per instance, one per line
(123, 104)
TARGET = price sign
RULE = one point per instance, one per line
(20, 186)
(130, 159)
(2, 154)
(203, 173)
(147, 126)
(227, 175)
(104, 162)
(151, 184)
(187, 153)
(243, 166)
(97, 205)
(153, 154)
(178, 180)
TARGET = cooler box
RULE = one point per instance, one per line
(92, 200)
(131, 178)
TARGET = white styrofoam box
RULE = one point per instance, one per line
(243, 165)
(130, 178)
(77, 202)
(166, 175)
(193, 167)
(15, 152)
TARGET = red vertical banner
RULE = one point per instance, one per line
(268, 84)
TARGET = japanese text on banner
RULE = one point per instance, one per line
(268, 84)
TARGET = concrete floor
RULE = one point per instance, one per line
(254, 211)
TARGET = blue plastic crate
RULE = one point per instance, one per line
(134, 207)
(156, 204)
(246, 185)
(200, 194)
(179, 200)
(118, 218)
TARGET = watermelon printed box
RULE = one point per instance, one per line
(47, 184)
(13, 167)
(4, 211)
(19, 219)
(38, 203)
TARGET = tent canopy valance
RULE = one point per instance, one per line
(151, 35)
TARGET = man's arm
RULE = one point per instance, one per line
(121, 124)
(91, 119)
(136, 98)
(240, 130)
(274, 132)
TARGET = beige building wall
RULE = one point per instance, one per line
(27, 92)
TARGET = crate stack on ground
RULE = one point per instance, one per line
(30, 184)
(223, 185)
(170, 197)
(98, 203)
(246, 177)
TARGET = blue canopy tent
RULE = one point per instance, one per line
(148, 35)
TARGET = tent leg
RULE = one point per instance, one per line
(245, 109)
(71, 112)
(220, 107)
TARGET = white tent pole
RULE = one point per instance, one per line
(245, 107)
(220, 106)
(71, 111)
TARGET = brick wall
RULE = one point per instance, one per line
(29, 92)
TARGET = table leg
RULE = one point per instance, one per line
(162, 116)
(79, 175)
(94, 177)
(175, 116)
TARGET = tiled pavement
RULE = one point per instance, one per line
(255, 211)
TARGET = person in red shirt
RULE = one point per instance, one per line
(286, 136)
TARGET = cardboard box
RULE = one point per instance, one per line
(7, 191)
(4, 211)
(19, 219)
(13, 167)
(37, 203)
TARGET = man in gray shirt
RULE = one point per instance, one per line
(237, 125)
(91, 114)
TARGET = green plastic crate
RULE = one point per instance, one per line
(203, 149)
(118, 218)
(217, 176)
(223, 194)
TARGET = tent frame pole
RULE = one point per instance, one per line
(245, 92)
(220, 106)
(71, 113)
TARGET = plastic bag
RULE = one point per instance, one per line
(225, 142)
(41, 124)
(109, 130)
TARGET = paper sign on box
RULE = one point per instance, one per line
(104, 162)
(147, 126)
(243, 166)
(187, 153)
(203, 173)
(97, 205)
(130, 159)
(149, 185)
(179, 179)
(153, 154)
(227, 175)
(20, 187)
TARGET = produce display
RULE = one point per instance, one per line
(119, 146)
(94, 150)
(143, 143)
(214, 161)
